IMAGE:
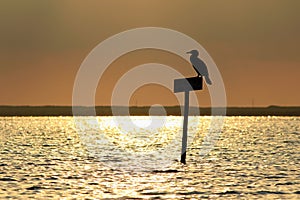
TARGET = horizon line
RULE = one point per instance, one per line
(141, 106)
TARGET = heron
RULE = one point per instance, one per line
(199, 65)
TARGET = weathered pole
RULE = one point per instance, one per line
(185, 126)
(186, 85)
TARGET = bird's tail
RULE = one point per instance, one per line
(208, 81)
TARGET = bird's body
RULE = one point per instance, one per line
(199, 66)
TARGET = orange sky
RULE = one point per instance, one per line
(255, 45)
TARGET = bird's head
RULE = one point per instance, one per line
(193, 52)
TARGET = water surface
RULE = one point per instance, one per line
(255, 157)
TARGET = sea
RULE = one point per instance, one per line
(138, 157)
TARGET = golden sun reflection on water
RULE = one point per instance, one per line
(145, 137)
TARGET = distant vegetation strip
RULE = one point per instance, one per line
(138, 111)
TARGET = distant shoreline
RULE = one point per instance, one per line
(139, 111)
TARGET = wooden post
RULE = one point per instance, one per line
(185, 126)
(186, 85)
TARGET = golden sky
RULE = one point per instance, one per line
(255, 45)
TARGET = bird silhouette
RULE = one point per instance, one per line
(199, 65)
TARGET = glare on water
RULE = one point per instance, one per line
(46, 157)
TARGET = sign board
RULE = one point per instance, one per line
(188, 84)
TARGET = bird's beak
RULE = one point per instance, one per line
(188, 52)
